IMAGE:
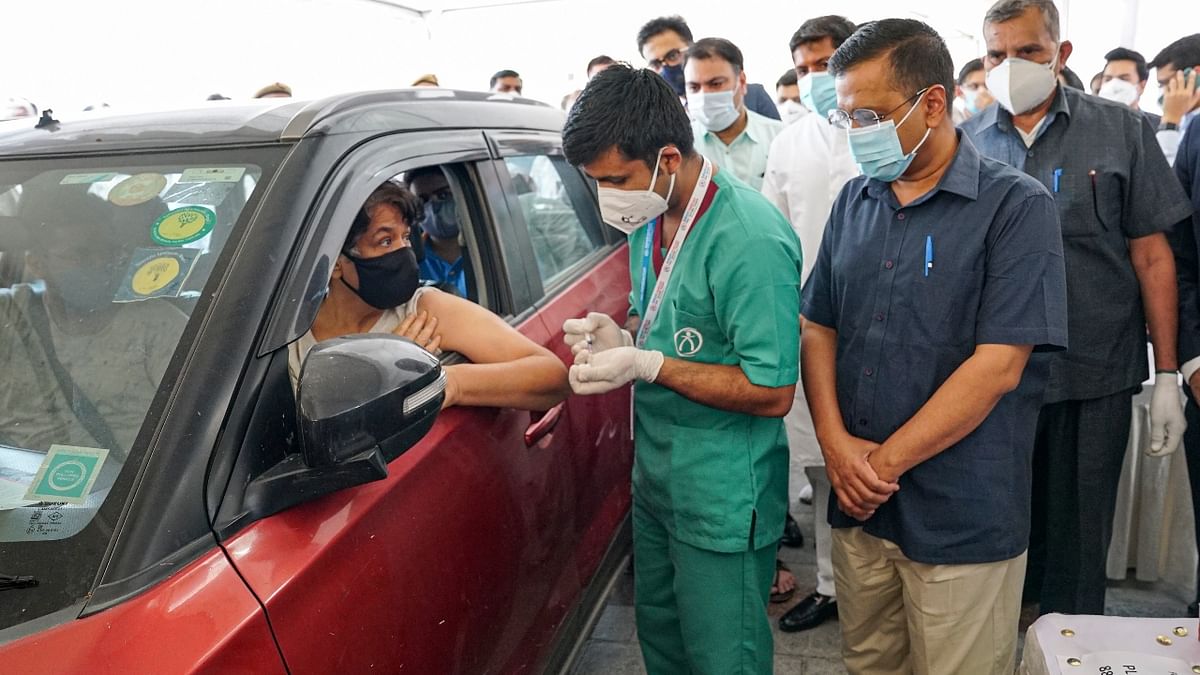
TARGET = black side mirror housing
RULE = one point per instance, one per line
(363, 401)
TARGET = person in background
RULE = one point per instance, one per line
(807, 166)
(971, 91)
(734, 138)
(787, 97)
(274, 90)
(443, 261)
(426, 80)
(713, 367)
(664, 43)
(569, 100)
(598, 64)
(1177, 68)
(1097, 80)
(1116, 197)
(939, 273)
(1125, 75)
(506, 82)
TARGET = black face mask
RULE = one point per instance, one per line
(387, 281)
(674, 77)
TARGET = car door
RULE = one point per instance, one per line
(448, 563)
(581, 266)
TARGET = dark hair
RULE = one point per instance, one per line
(1007, 10)
(602, 60)
(719, 48)
(634, 110)
(661, 25)
(1182, 53)
(405, 202)
(836, 28)
(1123, 54)
(917, 55)
(501, 75)
(788, 79)
(1071, 79)
(973, 66)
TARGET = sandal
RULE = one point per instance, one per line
(782, 596)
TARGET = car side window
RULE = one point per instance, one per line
(560, 237)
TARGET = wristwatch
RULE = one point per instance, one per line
(1168, 126)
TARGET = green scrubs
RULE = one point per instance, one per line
(710, 486)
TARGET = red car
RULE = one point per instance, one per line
(168, 505)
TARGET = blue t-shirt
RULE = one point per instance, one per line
(433, 268)
(903, 327)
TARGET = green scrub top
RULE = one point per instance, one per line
(715, 477)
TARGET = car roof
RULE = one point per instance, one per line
(279, 120)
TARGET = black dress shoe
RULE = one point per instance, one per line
(810, 612)
(792, 536)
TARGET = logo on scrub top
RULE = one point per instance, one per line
(688, 342)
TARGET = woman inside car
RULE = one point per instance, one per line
(375, 288)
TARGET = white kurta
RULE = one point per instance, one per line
(808, 164)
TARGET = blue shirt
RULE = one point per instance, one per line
(433, 268)
(1110, 181)
(997, 278)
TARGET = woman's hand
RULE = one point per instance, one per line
(421, 328)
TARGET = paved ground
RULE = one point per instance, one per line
(613, 647)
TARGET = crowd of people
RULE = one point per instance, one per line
(983, 252)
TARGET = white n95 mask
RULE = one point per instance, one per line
(715, 111)
(1020, 85)
(627, 210)
(1119, 91)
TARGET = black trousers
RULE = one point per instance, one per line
(1077, 458)
(1191, 449)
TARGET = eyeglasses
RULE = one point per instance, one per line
(865, 117)
(671, 58)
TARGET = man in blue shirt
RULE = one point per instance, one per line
(939, 273)
(1115, 197)
(443, 262)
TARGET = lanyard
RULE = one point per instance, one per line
(664, 277)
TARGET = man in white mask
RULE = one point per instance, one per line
(1124, 78)
(726, 132)
(807, 166)
(715, 273)
(1116, 197)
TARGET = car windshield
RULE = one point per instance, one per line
(102, 261)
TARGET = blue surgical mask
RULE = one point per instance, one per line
(818, 94)
(674, 77)
(876, 149)
(441, 219)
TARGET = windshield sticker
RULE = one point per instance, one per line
(156, 273)
(67, 474)
(17, 469)
(217, 175)
(183, 225)
(86, 178)
(137, 189)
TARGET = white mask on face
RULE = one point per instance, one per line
(715, 111)
(1020, 85)
(1120, 91)
(791, 111)
(627, 210)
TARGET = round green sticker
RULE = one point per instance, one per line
(183, 225)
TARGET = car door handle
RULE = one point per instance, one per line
(542, 426)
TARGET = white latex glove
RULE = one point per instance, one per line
(1166, 416)
(602, 372)
(596, 332)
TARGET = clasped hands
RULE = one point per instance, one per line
(605, 356)
(859, 488)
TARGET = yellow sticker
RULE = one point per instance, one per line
(183, 225)
(137, 189)
(155, 275)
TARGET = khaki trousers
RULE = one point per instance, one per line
(899, 616)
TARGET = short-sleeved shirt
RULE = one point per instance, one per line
(1113, 184)
(716, 477)
(746, 156)
(904, 327)
(434, 268)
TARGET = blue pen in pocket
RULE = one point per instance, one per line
(928, 254)
(1057, 177)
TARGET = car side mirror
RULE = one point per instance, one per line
(363, 401)
(362, 392)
